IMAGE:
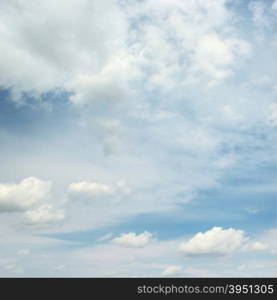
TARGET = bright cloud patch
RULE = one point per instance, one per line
(24, 195)
(172, 271)
(91, 188)
(43, 215)
(215, 242)
(132, 239)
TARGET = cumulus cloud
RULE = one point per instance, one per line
(215, 242)
(134, 240)
(172, 271)
(43, 215)
(24, 195)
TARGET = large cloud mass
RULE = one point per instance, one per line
(100, 51)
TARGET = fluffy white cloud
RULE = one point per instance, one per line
(216, 241)
(24, 195)
(132, 239)
(43, 215)
(172, 271)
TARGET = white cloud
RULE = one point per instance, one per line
(215, 55)
(219, 242)
(215, 242)
(259, 246)
(172, 271)
(43, 215)
(92, 190)
(73, 46)
(24, 195)
(266, 242)
(132, 239)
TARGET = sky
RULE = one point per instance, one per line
(138, 138)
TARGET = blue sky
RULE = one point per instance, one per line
(138, 138)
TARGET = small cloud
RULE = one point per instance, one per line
(259, 246)
(105, 237)
(133, 240)
(93, 190)
(172, 270)
(43, 215)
